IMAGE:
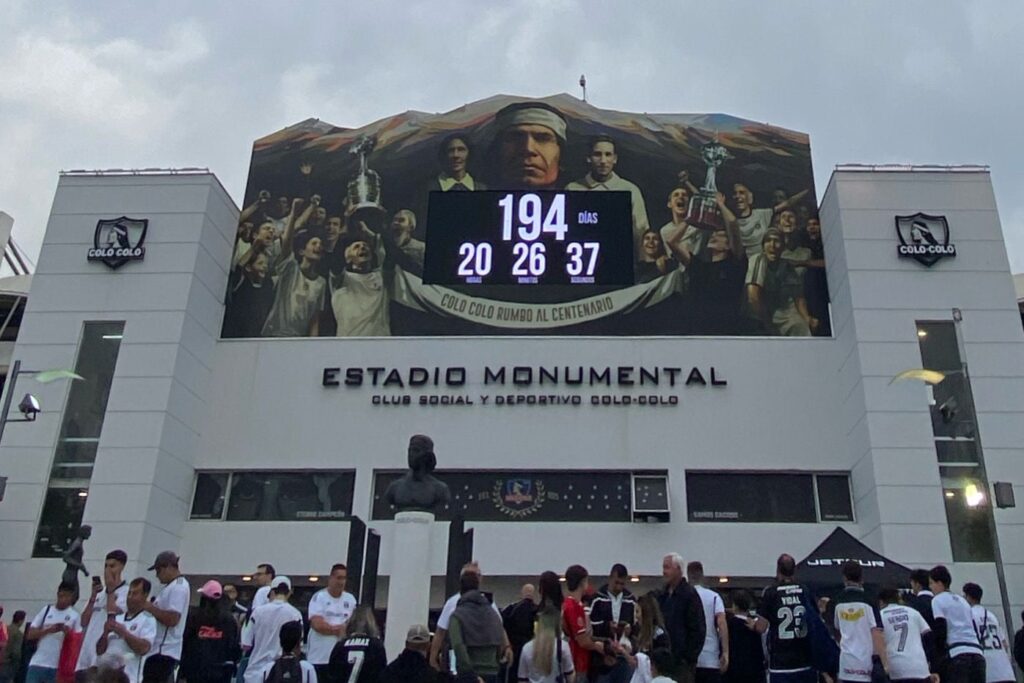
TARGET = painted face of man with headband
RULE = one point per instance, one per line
(530, 142)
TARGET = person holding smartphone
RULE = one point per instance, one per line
(109, 597)
(49, 627)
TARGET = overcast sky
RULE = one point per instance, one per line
(133, 85)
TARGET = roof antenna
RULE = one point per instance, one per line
(583, 84)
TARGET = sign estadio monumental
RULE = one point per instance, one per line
(119, 240)
(924, 238)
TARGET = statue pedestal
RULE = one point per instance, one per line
(409, 585)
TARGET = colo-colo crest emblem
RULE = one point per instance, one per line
(119, 240)
(518, 498)
(924, 238)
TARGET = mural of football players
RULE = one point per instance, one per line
(653, 262)
(602, 159)
(453, 155)
(297, 281)
(677, 231)
(775, 291)
(754, 222)
(529, 141)
(403, 224)
(360, 297)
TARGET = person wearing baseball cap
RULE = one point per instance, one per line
(170, 609)
(411, 665)
(211, 646)
(530, 139)
(263, 638)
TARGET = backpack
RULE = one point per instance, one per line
(287, 669)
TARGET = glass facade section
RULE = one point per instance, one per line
(79, 437)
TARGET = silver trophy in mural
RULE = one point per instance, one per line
(364, 191)
(702, 211)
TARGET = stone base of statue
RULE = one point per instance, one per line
(703, 212)
(409, 585)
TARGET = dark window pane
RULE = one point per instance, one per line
(211, 489)
(834, 502)
(87, 400)
(283, 496)
(62, 515)
(967, 513)
(530, 496)
(939, 350)
(750, 497)
(956, 451)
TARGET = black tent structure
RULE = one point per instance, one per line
(822, 568)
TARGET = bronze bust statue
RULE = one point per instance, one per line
(418, 489)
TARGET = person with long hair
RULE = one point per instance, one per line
(549, 588)
(547, 658)
(360, 657)
(650, 636)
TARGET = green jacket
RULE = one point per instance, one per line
(482, 661)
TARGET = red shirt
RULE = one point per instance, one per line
(574, 621)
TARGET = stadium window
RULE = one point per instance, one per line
(210, 494)
(81, 424)
(968, 508)
(273, 496)
(768, 497)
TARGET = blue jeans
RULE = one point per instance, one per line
(40, 674)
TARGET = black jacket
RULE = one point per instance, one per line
(684, 621)
(410, 667)
(210, 647)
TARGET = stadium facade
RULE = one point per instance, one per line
(559, 449)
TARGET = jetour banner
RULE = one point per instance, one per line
(713, 229)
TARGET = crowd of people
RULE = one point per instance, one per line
(302, 268)
(562, 630)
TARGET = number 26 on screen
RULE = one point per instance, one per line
(532, 218)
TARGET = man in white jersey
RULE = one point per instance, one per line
(998, 668)
(954, 632)
(131, 633)
(857, 625)
(444, 621)
(713, 660)
(108, 597)
(263, 639)
(262, 577)
(49, 628)
(170, 609)
(329, 612)
(904, 628)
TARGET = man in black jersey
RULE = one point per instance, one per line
(783, 614)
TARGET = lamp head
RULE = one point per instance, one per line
(29, 407)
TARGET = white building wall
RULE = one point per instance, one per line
(183, 400)
(171, 303)
(883, 296)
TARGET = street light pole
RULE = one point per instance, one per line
(12, 379)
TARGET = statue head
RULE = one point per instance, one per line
(421, 454)
(85, 532)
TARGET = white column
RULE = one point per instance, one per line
(409, 585)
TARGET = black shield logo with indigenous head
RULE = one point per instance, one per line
(119, 240)
(924, 238)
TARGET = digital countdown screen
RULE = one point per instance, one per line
(529, 238)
